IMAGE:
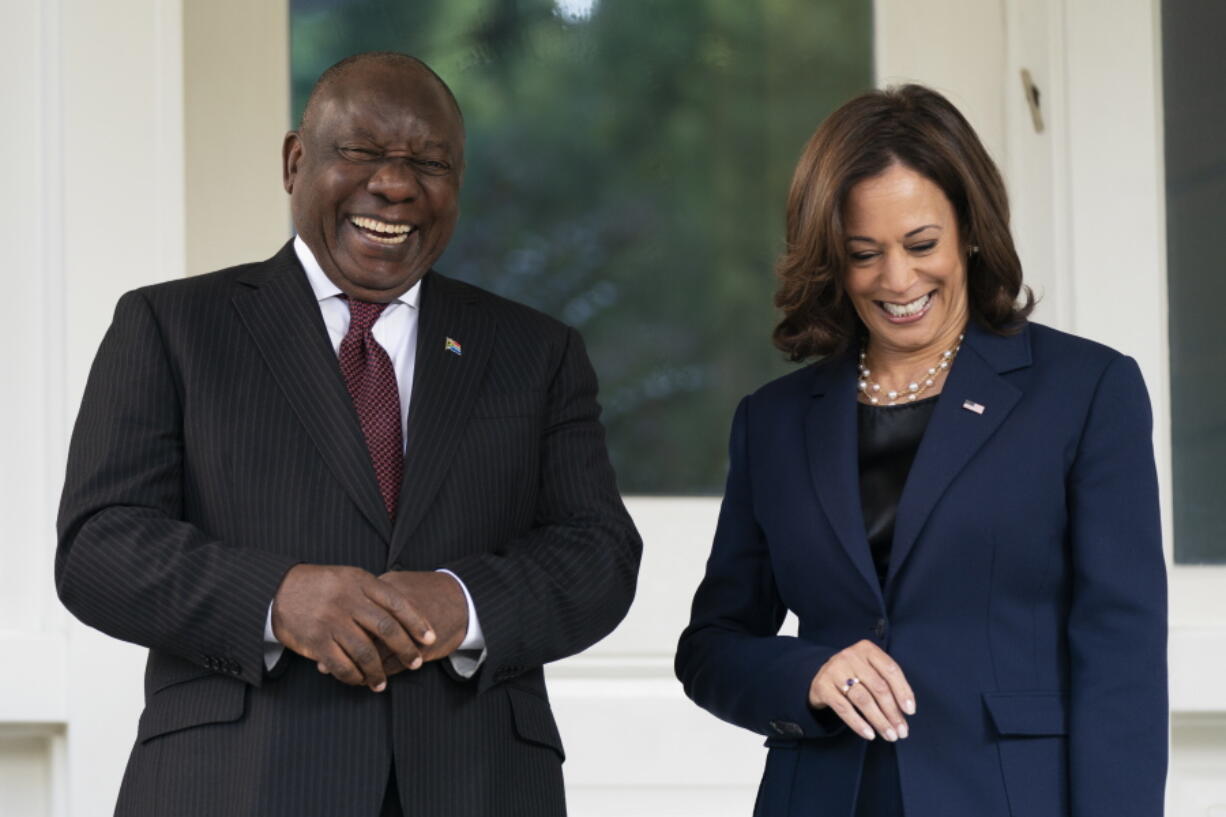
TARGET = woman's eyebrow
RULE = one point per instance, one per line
(908, 235)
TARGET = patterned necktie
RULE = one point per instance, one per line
(371, 380)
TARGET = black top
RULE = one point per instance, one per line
(889, 438)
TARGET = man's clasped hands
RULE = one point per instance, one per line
(361, 628)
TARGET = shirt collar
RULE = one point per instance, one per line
(323, 287)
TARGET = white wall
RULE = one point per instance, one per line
(236, 110)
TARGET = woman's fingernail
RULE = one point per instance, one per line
(891, 735)
(379, 687)
(903, 731)
(869, 734)
(909, 706)
(416, 663)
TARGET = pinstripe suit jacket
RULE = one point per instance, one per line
(216, 447)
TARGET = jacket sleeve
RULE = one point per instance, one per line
(127, 563)
(569, 581)
(730, 659)
(1117, 620)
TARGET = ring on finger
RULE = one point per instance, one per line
(848, 684)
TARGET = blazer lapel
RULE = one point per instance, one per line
(831, 432)
(973, 403)
(445, 385)
(282, 315)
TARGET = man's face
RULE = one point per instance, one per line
(374, 179)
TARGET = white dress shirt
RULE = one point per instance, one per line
(396, 331)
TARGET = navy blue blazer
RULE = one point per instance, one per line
(1025, 598)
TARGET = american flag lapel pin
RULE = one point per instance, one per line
(971, 405)
(453, 346)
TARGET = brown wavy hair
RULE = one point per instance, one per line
(921, 129)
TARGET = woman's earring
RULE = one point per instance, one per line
(974, 249)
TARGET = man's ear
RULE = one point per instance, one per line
(291, 155)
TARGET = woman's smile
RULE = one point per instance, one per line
(908, 312)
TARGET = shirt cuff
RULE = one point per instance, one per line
(470, 655)
(272, 647)
(466, 662)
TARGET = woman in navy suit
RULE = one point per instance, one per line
(959, 506)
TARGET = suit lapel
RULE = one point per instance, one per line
(831, 432)
(957, 431)
(445, 385)
(282, 315)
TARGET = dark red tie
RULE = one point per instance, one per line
(372, 385)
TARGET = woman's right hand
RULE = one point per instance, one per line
(866, 689)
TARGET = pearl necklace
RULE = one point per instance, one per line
(915, 388)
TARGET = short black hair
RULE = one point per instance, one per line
(390, 59)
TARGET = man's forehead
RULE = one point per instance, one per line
(379, 119)
(377, 88)
(373, 73)
(389, 93)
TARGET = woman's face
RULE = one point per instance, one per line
(906, 274)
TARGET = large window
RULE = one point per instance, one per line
(1195, 109)
(628, 164)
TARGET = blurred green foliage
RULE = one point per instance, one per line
(627, 171)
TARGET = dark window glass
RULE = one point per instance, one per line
(627, 170)
(1194, 90)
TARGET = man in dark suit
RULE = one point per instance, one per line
(351, 506)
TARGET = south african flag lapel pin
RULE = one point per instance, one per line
(453, 347)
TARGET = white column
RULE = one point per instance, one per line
(93, 155)
(121, 152)
(32, 685)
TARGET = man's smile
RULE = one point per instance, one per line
(382, 232)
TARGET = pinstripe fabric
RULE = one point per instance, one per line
(217, 446)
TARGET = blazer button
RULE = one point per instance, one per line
(787, 729)
(880, 628)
